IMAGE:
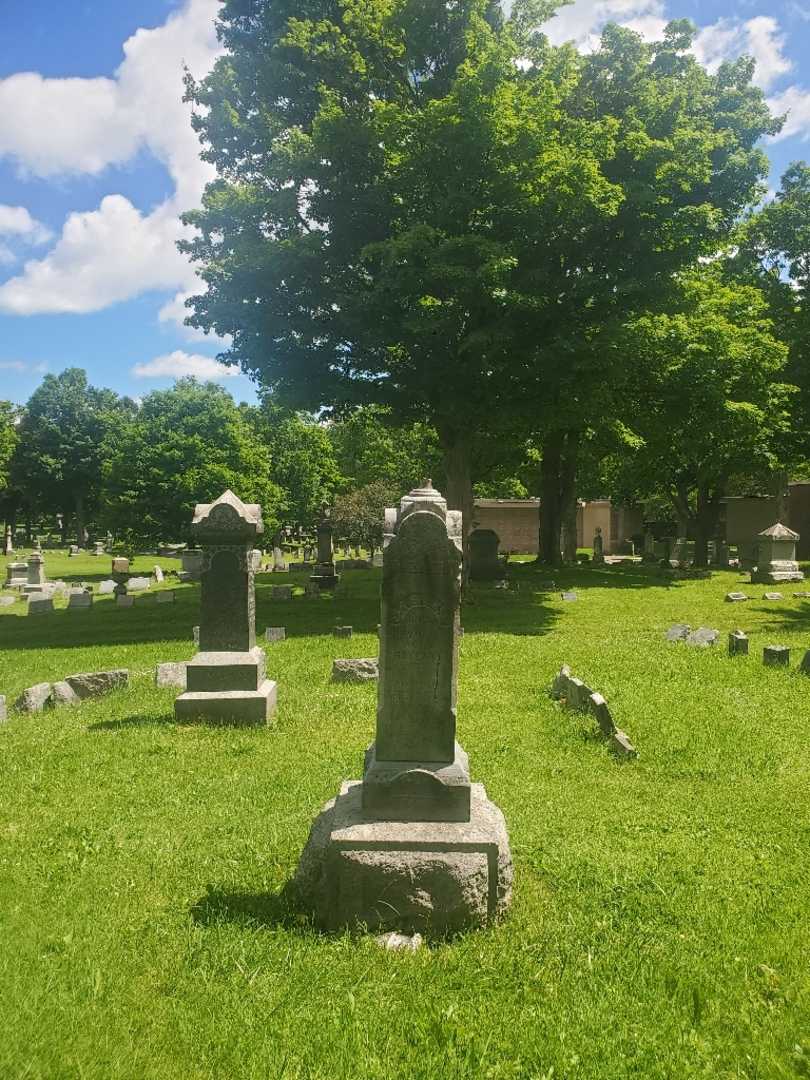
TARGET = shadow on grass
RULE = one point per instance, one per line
(795, 620)
(251, 910)
(125, 723)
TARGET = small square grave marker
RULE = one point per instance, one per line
(773, 596)
(275, 633)
(776, 656)
(703, 638)
(735, 597)
(569, 597)
(738, 643)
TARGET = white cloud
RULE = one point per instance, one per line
(581, 21)
(22, 366)
(16, 221)
(795, 101)
(178, 364)
(175, 311)
(66, 126)
(760, 38)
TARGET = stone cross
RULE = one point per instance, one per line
(416, 771)
(226, 680)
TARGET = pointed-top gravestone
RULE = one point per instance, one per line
(226, 680)
(415, 845)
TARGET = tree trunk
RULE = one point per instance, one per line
(550, 501)
(780, 489)
(81, 535)
(568, 497)
(459, 492)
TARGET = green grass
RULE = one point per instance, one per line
(661, 910)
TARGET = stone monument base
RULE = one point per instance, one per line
(416, 790)
(326, 582)
(403, 875)
(774, 577)
(227, 688)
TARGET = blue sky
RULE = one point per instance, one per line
(97, 159)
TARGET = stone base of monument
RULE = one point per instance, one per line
(325, 582)
(416, 790)
(227, 688)
(773, 577)
(433, 877)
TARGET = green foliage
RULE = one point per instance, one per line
(184, 446)
(709, 398)
(370, 449)
(9, 414)
(302, 460)
(64, 427)
(358, 515)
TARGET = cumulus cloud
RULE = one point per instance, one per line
(178, 364)
(760, 38)
(16, 221)
(795, 101)
(581, 21)
(53, 127)
(175, 311)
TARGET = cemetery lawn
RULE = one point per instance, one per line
(661, 918)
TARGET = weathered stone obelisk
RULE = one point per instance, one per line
(414, 845)
(226, 679)
(324, 576)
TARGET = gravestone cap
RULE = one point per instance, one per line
(780, 532)
(229, 516)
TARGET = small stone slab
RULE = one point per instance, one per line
(703, 638)
(776, 656)
(6, 601)
(39, 604)
(62, 693)
(138, 584)
(559, 688)
(804, 667)
(79, 600)
(735, 597)
(802, 595)
(281, 592)
(195, 635)
(396, 942)
(275, 633)
(773, 596)
(621, 745)
(355, 671)
(343, 631)
(34, 698)
(171, 674)
(106, 588)
(165, 597)
(678, 632)
(601, 712)
(124, 601)
(578, 694)
(570, 597)
(738, 643)
(97, 683)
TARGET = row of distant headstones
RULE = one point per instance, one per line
(738, 645)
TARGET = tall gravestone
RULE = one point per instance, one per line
(484, 562)
(226, 681)
(598, 546)
(324, 576)
(414, 845)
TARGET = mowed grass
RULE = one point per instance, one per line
(661, 917)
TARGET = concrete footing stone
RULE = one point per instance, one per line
(229, 707)
(355, 671)
(171, 674)
(426, 877)
(34, 698)
(98, 683)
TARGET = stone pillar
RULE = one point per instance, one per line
(36, 569)
(325, 576)
(598, 546)
(120, 575)
(776, 556)
(226, 680)
(8, 542)
(415, 845)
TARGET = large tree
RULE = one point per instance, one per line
(371, 449)
(61, 438)
(184, 446)
(707, 400)
(428, 207)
